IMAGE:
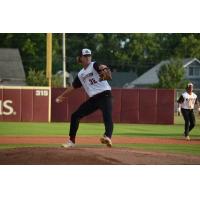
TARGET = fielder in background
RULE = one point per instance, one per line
(93, 77)
(186, 104)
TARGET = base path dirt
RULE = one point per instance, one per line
(92, 140)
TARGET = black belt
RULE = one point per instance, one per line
(187, 109)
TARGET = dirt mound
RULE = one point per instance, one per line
(90, 156)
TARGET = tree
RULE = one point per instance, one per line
(189, 46)
(36, 78)
(121, 51)
(171, 75)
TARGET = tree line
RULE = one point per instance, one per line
(121, 51)
(136, 52)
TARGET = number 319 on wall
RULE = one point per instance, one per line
(41, 93)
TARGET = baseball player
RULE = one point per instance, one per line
(93, 78)
(186, 104)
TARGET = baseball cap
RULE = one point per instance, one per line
(85, 52)
(190, 85)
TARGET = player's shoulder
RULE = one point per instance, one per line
(194, 95)
(95, 66)
(184, 94)
(80, 72)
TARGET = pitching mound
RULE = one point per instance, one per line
(90, 156)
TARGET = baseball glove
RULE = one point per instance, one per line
(104, 73)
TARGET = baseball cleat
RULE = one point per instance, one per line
(187, 137)
(106, 140)
(69, 144)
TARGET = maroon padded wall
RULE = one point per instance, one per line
(14, 96)
(165, 106)
(130, 106)
(40, 106)
(59, 112)
(147, 106)
(1, 107)
(25, 104)
(117, 103)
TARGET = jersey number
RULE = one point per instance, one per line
(92, 81)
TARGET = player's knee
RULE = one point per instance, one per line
(75, 116)
(192, 125)
(187, 123)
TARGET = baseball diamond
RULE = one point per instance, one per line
(132, 144)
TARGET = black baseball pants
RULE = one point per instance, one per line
(102, 101)
(188, 115)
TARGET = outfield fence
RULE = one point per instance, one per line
(145, 106)
(37, 104)
(25, 104)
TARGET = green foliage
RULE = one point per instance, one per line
(121, 51)
(171, 75)
(36, 78)
(57, 81)
(189, 46)
(32, 48)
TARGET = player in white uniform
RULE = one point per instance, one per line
(99, 92)
(186, 104)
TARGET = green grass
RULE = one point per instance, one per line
(97, 129)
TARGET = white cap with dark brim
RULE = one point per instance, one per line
(85, 52)
(190, 84)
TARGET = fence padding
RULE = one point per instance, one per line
(130, 106)
(1, 105)
(59, 111)
(116, 93)
(40, 106)
(24, 104)
(26, 101)
(165, 106)
(147, 106)
(11, 98)
(27, 104)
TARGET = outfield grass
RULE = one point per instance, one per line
(97, 129)
(132, 130)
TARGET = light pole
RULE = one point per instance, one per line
(64, 61)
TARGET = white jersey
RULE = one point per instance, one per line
(90, 80)
(189, 100)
